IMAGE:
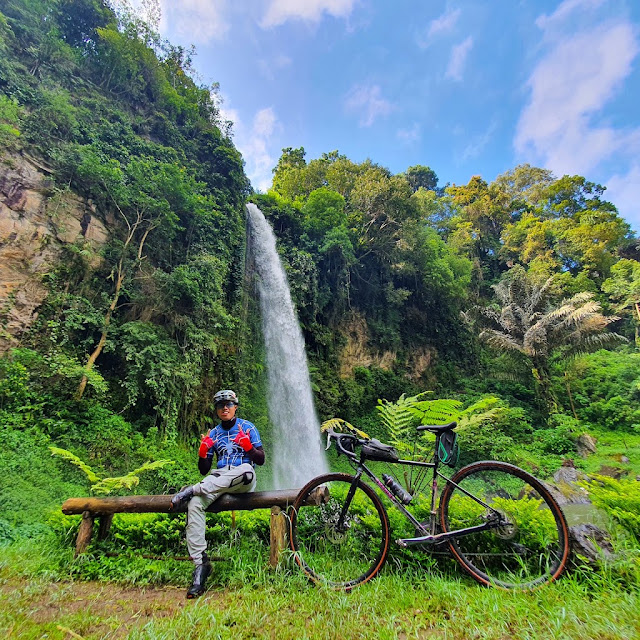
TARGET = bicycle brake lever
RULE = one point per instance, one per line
(328, 442)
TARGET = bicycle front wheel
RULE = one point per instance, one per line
(524, 538)
(344, 542)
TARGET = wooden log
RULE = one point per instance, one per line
(278, 535)
(84, 533)
(104, 525)
(162, 504)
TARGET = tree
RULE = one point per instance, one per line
(421, 177)
(529, 326)
(480, 213)
(562, 226)
(624, 287)
(139, 195)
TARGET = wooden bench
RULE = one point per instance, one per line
(104, 509)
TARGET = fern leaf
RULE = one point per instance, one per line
(338, 424)
(73, 459)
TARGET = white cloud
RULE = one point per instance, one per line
(410, 135)
(564, 10)
(624, 192)
(255, 143)
(279, 11)
(580, 73)
(368, 102)
(195, 21)
(444, 24)
(264, 122)
(458, 59)
(270, 68)
(477, 144)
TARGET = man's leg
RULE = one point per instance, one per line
(235, 480)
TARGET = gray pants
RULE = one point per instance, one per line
(240, 479)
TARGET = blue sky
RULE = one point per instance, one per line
(465, 87)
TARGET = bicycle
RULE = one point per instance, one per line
(500, 523)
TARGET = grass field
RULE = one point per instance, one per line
(45, 594)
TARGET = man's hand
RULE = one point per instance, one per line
(205, 445)
(243, 440)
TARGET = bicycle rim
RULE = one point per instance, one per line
(528, 542)
(342, 543)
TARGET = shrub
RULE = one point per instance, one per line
(619, 498)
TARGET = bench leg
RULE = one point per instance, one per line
(104, 526)
(84, 533)
(278, 535)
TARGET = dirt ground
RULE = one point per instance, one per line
(114, 610)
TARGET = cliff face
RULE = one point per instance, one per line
(36, 221)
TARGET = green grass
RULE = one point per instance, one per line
(44, 592)
(611, 447)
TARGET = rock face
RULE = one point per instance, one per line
(36, 221)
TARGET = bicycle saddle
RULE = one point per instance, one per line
(435, 428)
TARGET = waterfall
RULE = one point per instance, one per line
(297, 449)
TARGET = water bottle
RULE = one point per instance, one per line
(397, 490)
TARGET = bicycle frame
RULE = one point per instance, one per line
(430, 535)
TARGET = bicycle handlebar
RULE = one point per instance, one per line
(341, 439)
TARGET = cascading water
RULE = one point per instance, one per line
(298, 455)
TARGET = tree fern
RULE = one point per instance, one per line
(105, 486)
(338, 424)
(73, 459)
(110, 485)
(401, 417)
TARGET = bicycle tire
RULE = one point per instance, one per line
(340, 556)
(529, 548)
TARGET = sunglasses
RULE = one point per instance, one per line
(222, 405)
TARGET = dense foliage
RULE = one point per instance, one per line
(498, 298)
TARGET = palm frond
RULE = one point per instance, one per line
(500, 340)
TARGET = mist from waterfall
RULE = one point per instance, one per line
(298, 454)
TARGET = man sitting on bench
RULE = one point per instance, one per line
(238, 448)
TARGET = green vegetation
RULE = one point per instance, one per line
(511, 306)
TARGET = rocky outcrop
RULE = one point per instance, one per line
(565, 488)
(36, 221)
(357, 351)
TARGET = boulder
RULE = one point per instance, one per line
(565, 488)
(590, 544)
(585, 445)
(612, 472)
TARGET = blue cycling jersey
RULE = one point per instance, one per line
(227, 451)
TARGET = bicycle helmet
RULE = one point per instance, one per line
(224, 396)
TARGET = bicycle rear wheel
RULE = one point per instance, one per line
(527, 543)
(344, 542)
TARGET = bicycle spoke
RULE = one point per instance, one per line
(344, 542)
(525, 543)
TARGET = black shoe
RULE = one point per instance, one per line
(199, 580)
(180, 499)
